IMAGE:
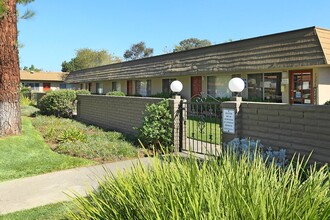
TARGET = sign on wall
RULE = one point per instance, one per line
(228, 121)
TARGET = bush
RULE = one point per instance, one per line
(28, 110)
(116, 93)
(226, 188)
(83, 92)
(327, 103)
(59, 103)
(157, 128)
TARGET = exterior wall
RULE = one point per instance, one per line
(156, 85)
(323, 85)
(321, 81)
(297, 128)
(186, 82)
(54, 86)
(122, 114)
(114, 113)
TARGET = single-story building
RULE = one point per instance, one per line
(44, 81)
(289, 67)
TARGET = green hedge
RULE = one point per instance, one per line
(59, 103)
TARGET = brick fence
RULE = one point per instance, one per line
(121, 114)
(297, 128)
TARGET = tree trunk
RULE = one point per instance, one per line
(10, 113)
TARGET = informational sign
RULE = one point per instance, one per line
(228, 121)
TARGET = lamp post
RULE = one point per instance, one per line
(176, 87)
(236, 85)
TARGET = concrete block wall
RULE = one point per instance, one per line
(113, 113)
(121, 114)
(298, 128)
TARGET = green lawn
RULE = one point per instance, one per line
(55, 211)
(207, 131)
(28, 154)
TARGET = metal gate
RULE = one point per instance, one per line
(201, 126)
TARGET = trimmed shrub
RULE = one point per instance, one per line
(83, 92)
(327, 103)
(156, 130)
(116, 93)
(59, 103)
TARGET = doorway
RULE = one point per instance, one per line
(129, 87)
(196, 86)
(301, 87)
(46, 86)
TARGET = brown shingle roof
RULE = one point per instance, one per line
(324, 37)
(43, 76)
(296, 48)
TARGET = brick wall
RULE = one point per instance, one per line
(298, 128)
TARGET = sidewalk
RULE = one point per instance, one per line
(30, 192)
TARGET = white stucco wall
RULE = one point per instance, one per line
(323, 81)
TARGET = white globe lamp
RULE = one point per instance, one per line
(176, 87)
(236, 85)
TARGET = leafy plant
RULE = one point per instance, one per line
(83, 92)
(116, 93)
(72, 135)
(59, 103)
(327, 103)
(157, 128)
(225, 188)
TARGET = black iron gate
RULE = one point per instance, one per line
(200, 128)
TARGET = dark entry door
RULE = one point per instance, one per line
(129, 87)
(46, 87)
(196, 86)
(301, 87)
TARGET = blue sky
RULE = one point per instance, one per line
(60, 27)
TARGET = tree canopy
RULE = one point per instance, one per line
(191, 43)
(87, 58)
(31, 68)
(138, 51)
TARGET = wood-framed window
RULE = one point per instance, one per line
(301, 87)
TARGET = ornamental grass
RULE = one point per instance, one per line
(216, 188)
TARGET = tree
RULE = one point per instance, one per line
(32, 68)
(191, 43)
(138, 51)
(87, 58)
(10, 113)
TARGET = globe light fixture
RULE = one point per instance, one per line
(176, 86)
(236, 85)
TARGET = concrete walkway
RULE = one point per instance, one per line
(50, 188)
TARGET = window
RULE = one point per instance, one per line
(265, 87)
(33, 86)
(62, 86)
(143, 87)
(99, 88)
(116, 86)
(217, 86)
(167, 85)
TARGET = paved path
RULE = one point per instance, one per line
(50, 188)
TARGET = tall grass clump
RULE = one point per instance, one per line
(225, 188)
